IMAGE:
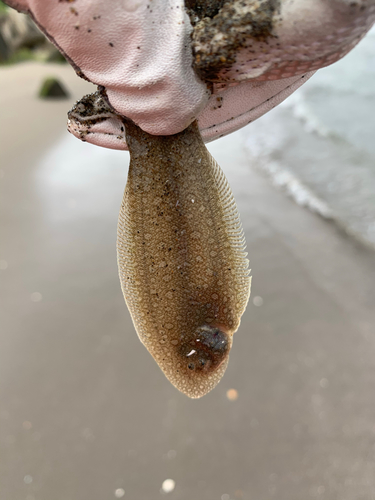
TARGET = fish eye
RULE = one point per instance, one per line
(205, 349)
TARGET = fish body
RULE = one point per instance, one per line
(181, 257)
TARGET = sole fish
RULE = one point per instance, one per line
(181, 257)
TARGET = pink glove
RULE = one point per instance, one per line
(146, 57)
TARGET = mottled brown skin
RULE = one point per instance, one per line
(181, 256)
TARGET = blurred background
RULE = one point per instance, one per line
(85, 413)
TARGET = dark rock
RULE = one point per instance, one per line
(53, 88)
(18, 30)
(21, 39)
(4, 49)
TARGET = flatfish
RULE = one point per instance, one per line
(181, 257)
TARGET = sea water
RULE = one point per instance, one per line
(319, 144)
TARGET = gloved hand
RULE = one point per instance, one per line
(163, 65)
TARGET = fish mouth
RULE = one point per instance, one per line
(200, 382)
(201, 361)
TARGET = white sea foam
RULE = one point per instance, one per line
(302, 111)
(300, 193)
(319, 147)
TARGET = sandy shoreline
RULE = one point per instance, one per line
(28, 123)
(86, 412)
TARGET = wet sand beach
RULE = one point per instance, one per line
(86, 414)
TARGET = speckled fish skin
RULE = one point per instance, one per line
(181, 257)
